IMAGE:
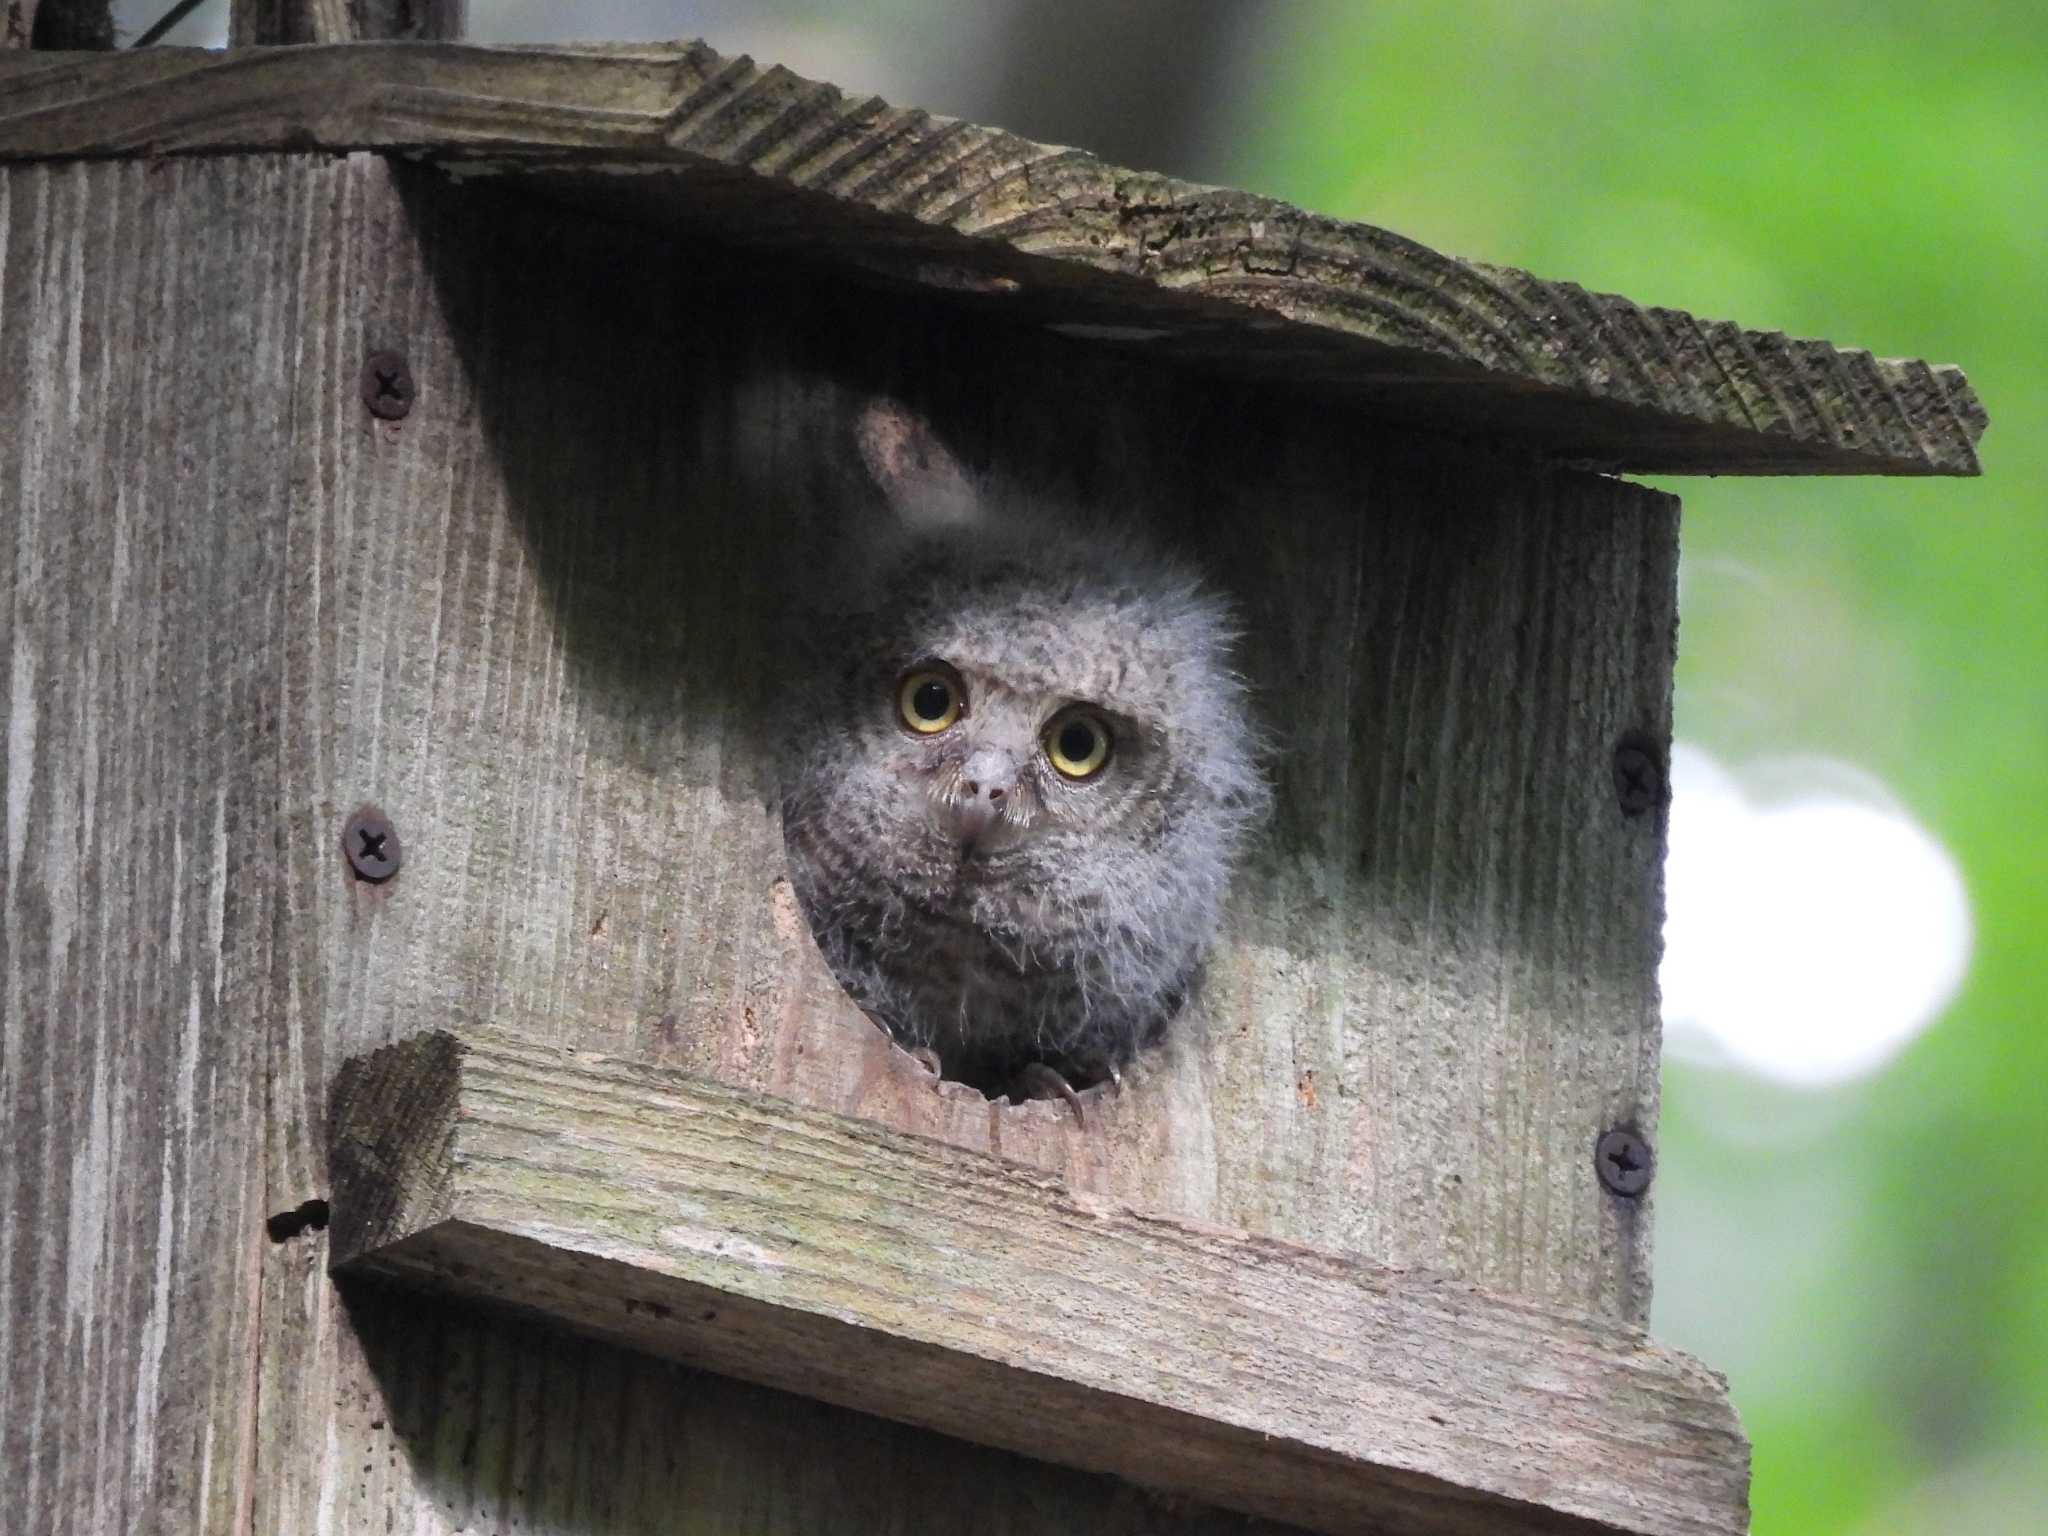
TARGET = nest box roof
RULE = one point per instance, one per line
(1202, 276)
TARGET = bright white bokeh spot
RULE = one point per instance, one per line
(1812, 927)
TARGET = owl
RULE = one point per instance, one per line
(1021, 778)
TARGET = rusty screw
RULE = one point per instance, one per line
(1624, 1162)
(387, 386)
(372, 846)
(1638, 775)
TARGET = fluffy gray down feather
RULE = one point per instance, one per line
(968, 889)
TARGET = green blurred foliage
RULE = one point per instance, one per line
(1870, 1264)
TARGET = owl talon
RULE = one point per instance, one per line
(1035, 1080)
(927, 1058)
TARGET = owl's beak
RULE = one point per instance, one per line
(987, 780)
(976, 814)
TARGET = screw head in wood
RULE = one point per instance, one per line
(386, 386)
(371, 844)
(1624, 1162)
(1638, 775)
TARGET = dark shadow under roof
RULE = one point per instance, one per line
(1196, 276)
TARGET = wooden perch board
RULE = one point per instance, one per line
(1219, 280)
(838, 1259)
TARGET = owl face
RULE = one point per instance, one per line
(1020, 725)
(994, 761)
(1021, 776)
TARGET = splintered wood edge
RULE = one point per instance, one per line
(837, 1259)
(1203, 275)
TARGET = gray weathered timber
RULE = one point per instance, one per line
(140, 566)
(277, 22)
(892, 1274)
(271, 22)
(1176, 273)
(533, 621)
(17, 23)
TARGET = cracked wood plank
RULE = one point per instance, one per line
(1207, 277)
(975, 1297)
(895, 1275)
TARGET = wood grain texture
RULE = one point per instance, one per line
(281, 22)
(140, 567)
(1180, 274)
(946, 1289)
(278, 22)
(537, 622)
(17, 23)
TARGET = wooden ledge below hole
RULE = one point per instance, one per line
(834, 1258)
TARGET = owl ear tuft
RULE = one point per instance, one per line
(924, 483)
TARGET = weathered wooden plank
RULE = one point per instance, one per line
(278, 22)
(453, 1419)
(1223, 280)
(140, 566)
(17, 23)
(946, 1289)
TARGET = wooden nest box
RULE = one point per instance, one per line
(404, 438)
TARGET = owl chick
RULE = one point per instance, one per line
(1024, 778)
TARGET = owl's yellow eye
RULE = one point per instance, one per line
(929, 700)
(1077, 743)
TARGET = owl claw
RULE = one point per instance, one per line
(927, 1058)
(1035, 1080)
